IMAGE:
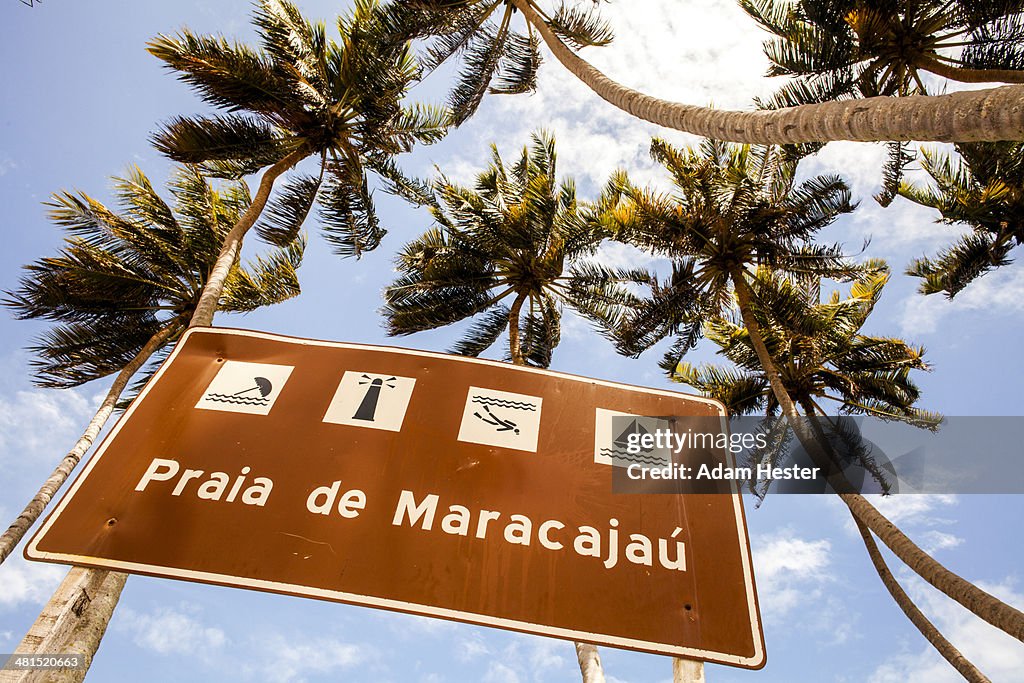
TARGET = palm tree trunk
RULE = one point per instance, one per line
(210, 298)
(983, 604)
(45, 494)
(514, 344)
(590, 663)
(745, 297)
(687, 671)
(971, 116)
(73, 622)
(940, 68)
(586, 654)
(945, 648)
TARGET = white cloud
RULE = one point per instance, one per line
(859, 163)
(471, 648)
(168, 631)
(996, 654)
(42, 423)
(501, 673)
(790, 571)
(900, 232)
(547, 654)
(934, 540)
(524, 658)
(27, 582)
(917, 515)
(998, 293)
(721, 64)
(289, 658)
(619, 255)
(912, 509)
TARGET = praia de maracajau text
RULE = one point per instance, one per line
(587, 541)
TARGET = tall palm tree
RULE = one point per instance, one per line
(509, 249)
(737, 207)
(517, 235)
(125, 286)
(984, 191)
(157, 261)
(300, 94)
(463, 28)
(856, 49)
(823, 356)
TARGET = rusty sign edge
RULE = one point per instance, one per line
(756, 661)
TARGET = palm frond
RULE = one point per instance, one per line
(287, 210)
(580, 26)
(483, 333)
(347, 213)
(228, 137)
(266, 280)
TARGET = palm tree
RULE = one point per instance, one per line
(822, 355)
(463, 28)
(819, 350)
(986, 192)
(737, 207)
(125, 286)
(299, 95)
(850, 49)
(119, 275)
(856, 48)
(517, 234)
(734, 206)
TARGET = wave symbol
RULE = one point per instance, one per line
(238, 400)
(500, 403)
(622, 455)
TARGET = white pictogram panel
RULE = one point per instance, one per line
(501, 418)
(241, 387)
(618, 439)
(365, 399)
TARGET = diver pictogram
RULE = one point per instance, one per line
(501, 418)
(500, 424)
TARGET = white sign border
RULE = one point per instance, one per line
(32, 551)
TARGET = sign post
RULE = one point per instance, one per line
(437, 485)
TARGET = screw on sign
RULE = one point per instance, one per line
(436, 485)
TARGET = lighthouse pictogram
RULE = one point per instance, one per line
(367, 399)
(368, 406)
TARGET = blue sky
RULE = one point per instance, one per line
(80, 98)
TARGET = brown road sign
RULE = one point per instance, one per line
(437, 485)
